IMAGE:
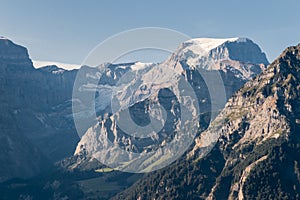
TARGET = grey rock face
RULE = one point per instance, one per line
(36, 125)
(18, 156)
(12, 54)
(246, 51)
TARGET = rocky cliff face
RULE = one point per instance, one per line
(17, 152)
(252, 146)
(35, 127)
(18, 156)
(263, 115)
(194, 61)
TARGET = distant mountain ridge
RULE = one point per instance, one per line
(66, 66)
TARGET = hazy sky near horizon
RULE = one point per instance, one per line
(67, 30)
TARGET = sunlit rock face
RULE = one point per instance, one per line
(196, 62)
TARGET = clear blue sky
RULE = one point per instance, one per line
(66, 30)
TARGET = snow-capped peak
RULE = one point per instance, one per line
(194, 50)
(207, 44)
(222, 54)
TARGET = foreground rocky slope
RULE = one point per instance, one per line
(256, 151)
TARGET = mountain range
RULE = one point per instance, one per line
(244, 149)
(161, 85)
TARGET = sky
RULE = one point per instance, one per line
(67, 30)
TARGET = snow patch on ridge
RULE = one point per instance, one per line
(38, 64)
(140, 65)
